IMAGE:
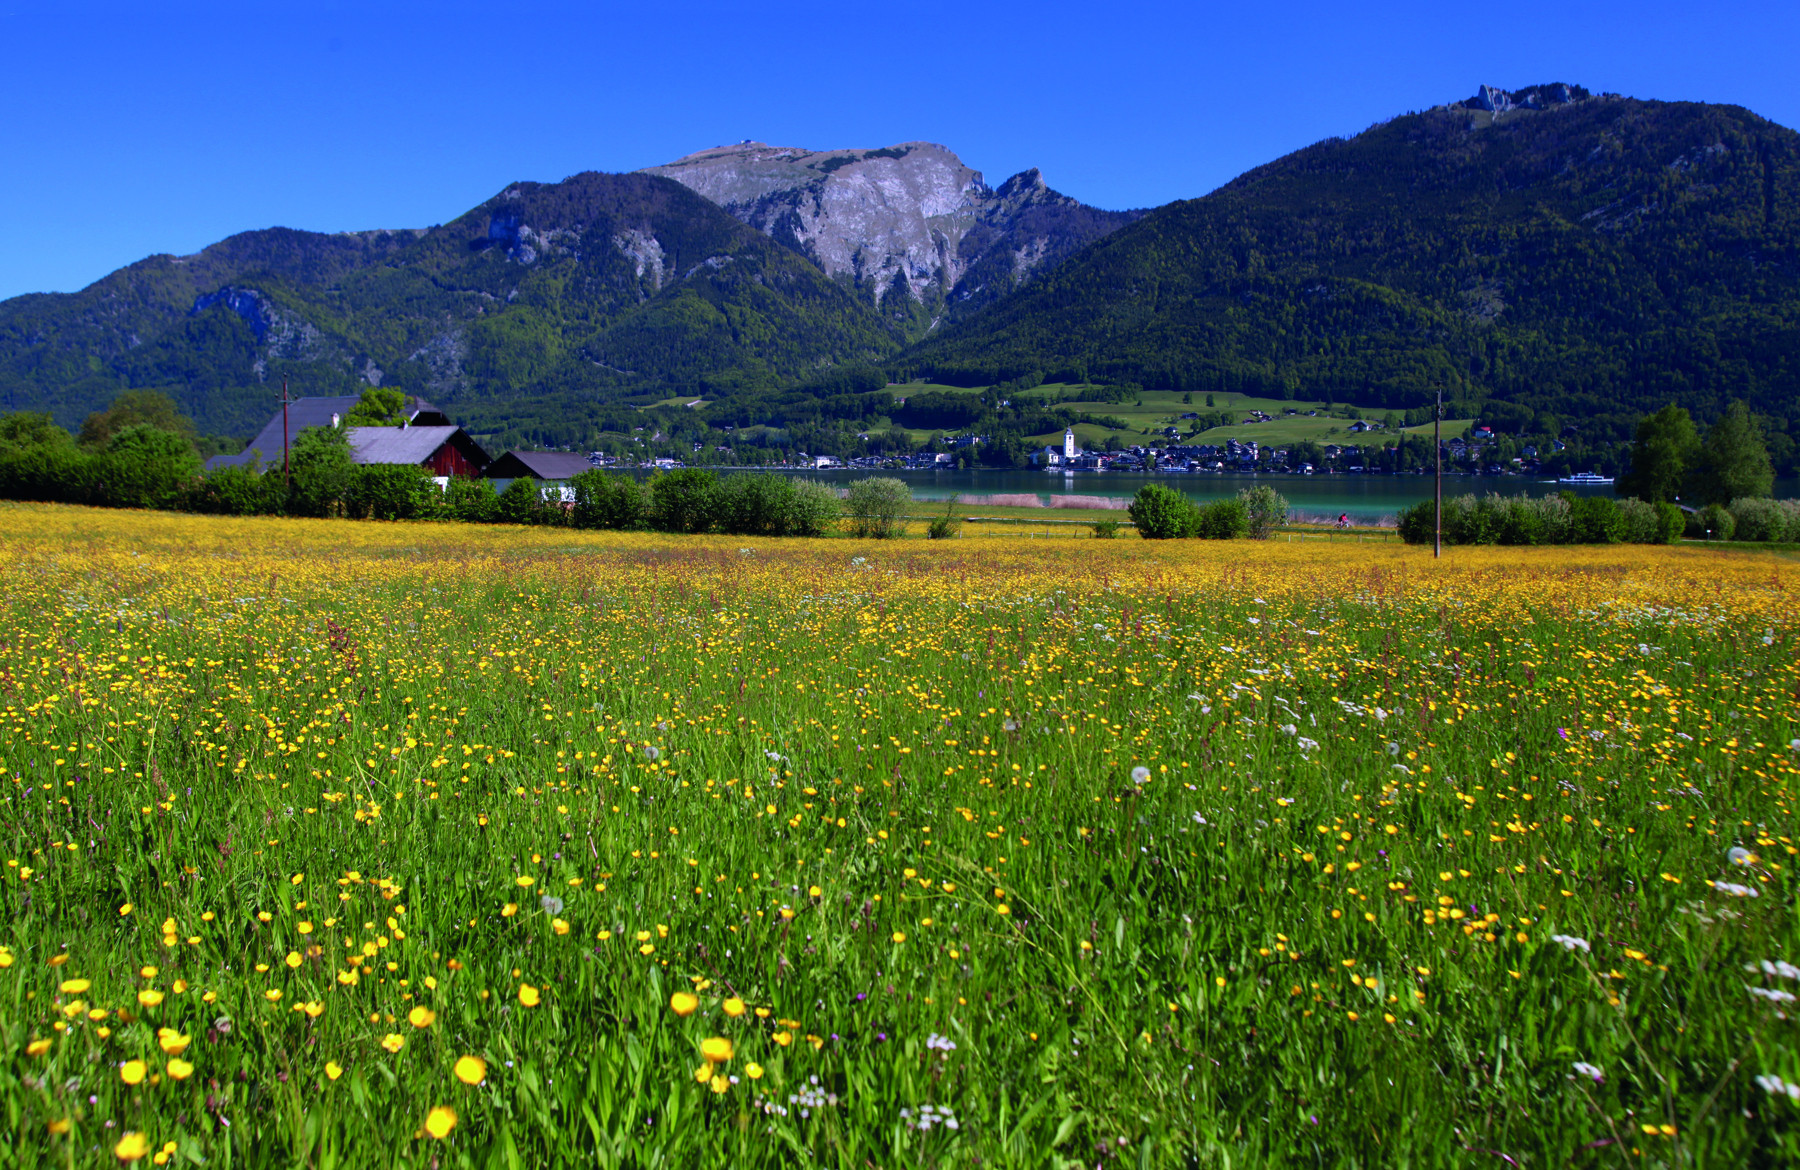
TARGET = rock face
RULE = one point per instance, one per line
(910, 227)
(1537, 97)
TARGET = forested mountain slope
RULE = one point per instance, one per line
(588, 289)
(1590, 258)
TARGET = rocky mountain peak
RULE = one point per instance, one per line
(911, 218)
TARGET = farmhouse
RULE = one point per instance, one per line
(545, 465)
(445, 450)
(302, 413)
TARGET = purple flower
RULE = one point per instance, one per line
(1563, 731)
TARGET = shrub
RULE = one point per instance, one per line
(1162, 513)
(1637, 522)
(1522, 522)
(1106, 529)
(471, 500)
(877, 507)
(1713, 522)
(522, 503)
(319, 470)
(235, 490)
(1760, 518)
(604, 500)
(753, 505)
(1594, 520)
(1416, 524)
(684, 501)
(812, 508)
(1670, 521)
(144, 467)
(945, 526)
(1265, 510)
(1221, 520)
(392, 491)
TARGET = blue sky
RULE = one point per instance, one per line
(133, 129)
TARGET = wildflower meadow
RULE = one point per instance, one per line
(337, 844)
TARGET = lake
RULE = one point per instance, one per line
(1364, 497)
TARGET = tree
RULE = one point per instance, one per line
(1734, 460)
(145, 466)
(1661, 456)
(150, 408)
(877, 507)
(378, 407)
(322, 471)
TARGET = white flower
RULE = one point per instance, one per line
(1289, 729)
(1794, 745)
(1307, 745)
(1739, 855)
(1199, 820)
(650, 752)
(1590, 1071)
(551, 904)
(1380, 715)
(1772, 994)
(1393, 749)
(1777, 1086)
(1736, 890)
(941, 1043)
(1140, 775)
(1570, 942)
(1403, 768)
(1782, 968)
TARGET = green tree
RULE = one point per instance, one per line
(1662, 455)
(145, 467)
(379, 407)
(1734, 459)
(321, 472)
(877, 507)
(132, 408)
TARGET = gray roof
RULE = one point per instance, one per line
(397, 444)
(303, 413)
(539, 464)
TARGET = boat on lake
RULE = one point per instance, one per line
(1586, 479)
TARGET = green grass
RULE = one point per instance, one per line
(884, 793)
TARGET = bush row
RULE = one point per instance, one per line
(1162, 513)
(1560, 519)
(1755, 519)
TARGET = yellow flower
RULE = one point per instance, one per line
(1003, 909)
(421, 1017)
(293, 958)
(150, 997)
(333, 1070)
(60, 1126)
(754, 1071)
(719, 1084)
(273, 995)
(75, 986)
(471, 1070)
(716, 1049)
(683, 1003)
(125, 909)
(783, 1038)
(647, 949)
(525, 881)
(37, 1048)
(171, 1041)
(303, 927)
(899, 936)
(132, 1072)
(131, 1147)
(528, 995)
(508, 910)
(703, 1073)
(393, 1042)
(440, 1121)
(559, 926)
(734, 1007)
(180, 1069)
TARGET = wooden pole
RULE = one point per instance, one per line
(1437, 450)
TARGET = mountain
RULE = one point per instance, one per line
(916, 232)
(1549, 255)
(547, 298)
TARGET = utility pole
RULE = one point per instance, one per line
(287, 479)
(1437, 450)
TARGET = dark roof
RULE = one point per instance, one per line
(313, 412)
(538, 465)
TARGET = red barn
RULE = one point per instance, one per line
(447, 451)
